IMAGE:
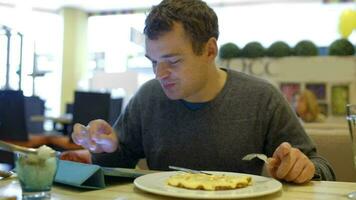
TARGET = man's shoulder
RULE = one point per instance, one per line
(253, 91)
(150, 88)
(149, 93)
(250, 82)
(151, 84)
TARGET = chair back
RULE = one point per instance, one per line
(115, 109)
(69, 108)
(12, 116)
(34, 106)
(88, 106)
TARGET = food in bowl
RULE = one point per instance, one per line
(36, 171)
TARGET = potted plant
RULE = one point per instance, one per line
(278, 49)
(305, 48)
(229, 51)
(253, 50)
(341, 47)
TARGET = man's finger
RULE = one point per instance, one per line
(99, 126)
(82, 137)
(88, 144)
(297, 169)
(282, 150)
(103, 139)
(273, 162)
(287, 164)
(306, 175)
(80, 134)
(96, 149)
(272, 166)
(108, 142)
(102, 135)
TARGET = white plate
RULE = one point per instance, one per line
(156, 183)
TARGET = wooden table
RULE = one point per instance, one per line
(327, 125)
(315, 190)
(64, 120)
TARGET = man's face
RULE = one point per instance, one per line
(181, 73)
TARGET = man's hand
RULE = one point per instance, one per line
(290, 164)
(82, 156)
(97, 137)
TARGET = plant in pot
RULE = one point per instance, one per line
(229, 51)
(341, 47)
(305, 48)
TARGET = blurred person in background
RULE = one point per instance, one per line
(307, 107)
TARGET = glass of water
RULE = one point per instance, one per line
(36, 173)
(351, 119)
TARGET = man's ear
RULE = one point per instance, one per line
(211, 48)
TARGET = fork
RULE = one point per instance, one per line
(260, 156)
(192, 171)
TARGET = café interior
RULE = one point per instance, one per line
(59, 58)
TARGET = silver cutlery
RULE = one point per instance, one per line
(260, 156)
(351, 195)
(15, 148)
(19, 149)
(192, 171)
(5, 174)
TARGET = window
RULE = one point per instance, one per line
(42, 39)
(289, 22)
(266, 23)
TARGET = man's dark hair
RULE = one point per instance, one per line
(198, 19)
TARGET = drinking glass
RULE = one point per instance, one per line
(351, 119)
(36, 174)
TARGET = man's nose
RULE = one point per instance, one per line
(162, 70)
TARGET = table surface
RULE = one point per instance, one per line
(64, 119)
(126, 190)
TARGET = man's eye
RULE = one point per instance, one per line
(175, 61)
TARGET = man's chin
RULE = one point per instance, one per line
(173, 96)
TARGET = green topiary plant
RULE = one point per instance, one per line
(253, 50)
(305, 48)
(279, 49)
(341, 47)
(229, 50)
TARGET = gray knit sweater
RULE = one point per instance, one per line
(249, 115)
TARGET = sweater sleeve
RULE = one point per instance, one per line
(282, 125)
(128, 130)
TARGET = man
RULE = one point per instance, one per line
(197, 115)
